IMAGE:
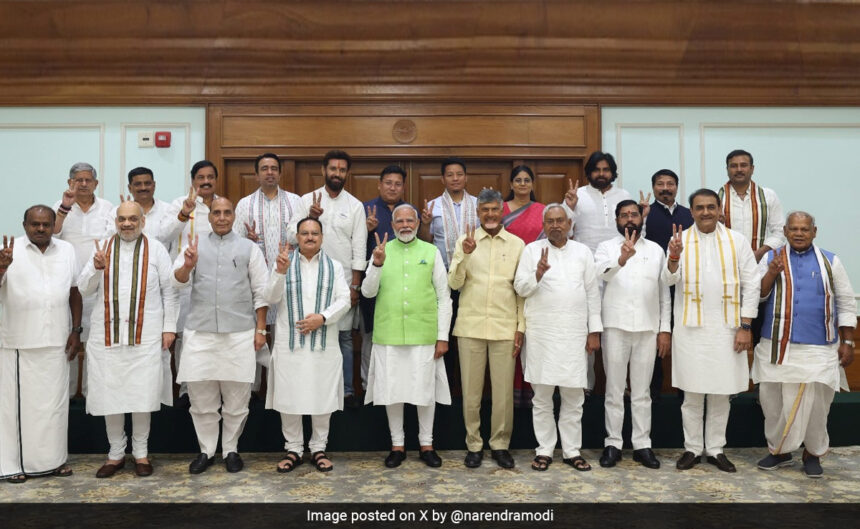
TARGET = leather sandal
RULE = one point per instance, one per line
(291, 460)
(318, 457)
(541, 463)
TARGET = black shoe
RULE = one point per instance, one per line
(722, 463)
(395, 458)
(611, 455)
(233, 462)
(431, 458)
(352, 402)
(688, 460)
(646, 457)
(200, 464)
(503, 458)
(812, 465)
(473, 459)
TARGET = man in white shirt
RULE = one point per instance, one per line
(716, 297)
(562, 311)
(133, 327)
(345, 238)
(445, 218)
(40, 314)
(635, 308)
(226, 325)
(82, 218)
(754, 211)
(141, 185)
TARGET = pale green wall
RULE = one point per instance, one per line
(809, 156)
(39, 145)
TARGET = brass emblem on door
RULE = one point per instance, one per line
(404, 131)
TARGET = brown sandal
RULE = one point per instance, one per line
(541, 463)
(578, 462)
(293, 459)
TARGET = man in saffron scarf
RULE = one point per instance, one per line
(133, 326)
(716, 298)
(807, 296)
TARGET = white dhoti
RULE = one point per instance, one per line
(305, 382)
(407, 374)
(34, 410)
(128, 379)
(795, 396)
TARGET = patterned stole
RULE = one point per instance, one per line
(693, 274)
(783, 301)
(758, 205)
(453, 229)
(256, 216)
(137, 296)
(295, 305)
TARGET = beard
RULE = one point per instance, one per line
(334, 184)
(406, 237)
(632, 229)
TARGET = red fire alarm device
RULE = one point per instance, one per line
(162, 139)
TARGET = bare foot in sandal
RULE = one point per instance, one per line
(579, 463)
(321, 461)
(289, 462)
(541, 463)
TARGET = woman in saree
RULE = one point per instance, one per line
(523, 216)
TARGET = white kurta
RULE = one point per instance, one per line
(560, 311)
(81, 229)
(344, 235)
(594, 215)
(703, 358)
(742, 216)
(409, 373)
(124, 378)
(301, 381)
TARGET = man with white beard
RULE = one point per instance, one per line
(410, 332)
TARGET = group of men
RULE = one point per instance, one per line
(633, 279)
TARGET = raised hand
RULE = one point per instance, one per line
(379, 251)
(99, 258)
(69, 195)
(571, 198)
(316, 210)
(251, 231)
(190, 203)
(371, 220)
(6, 252)
(645, 202)
(469, 243)
(191, 251)
(427, 213)
(125, 198)
(777, 264)
(282, 263)
(676, 245)
(543, 264)
(627, 248)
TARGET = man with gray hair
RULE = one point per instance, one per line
(807, 338)
(489, 327)
(82, 218)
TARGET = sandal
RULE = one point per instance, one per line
(541, 463)
(18, 478)
(62, 471)
(289, 462)
(578, 462)
(318, 458)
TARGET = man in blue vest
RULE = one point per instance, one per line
(809, 316)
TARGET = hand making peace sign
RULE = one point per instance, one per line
(100, 258)
(645, 203)
(571, 198)
(190, 203)
(777, 264)
(6, 252)
(371, 220)
(543, 265)
(427, 213)
(251, 231)
(469, 243)
(191, 251)
(316, 210)
(69, 195)
(125, 198)
(283, 261)
(379, 251)
(627, 249)
(676, 246)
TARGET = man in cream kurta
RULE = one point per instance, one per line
(141, 185)
(635, 307)
(798, 363)
(716, 297)
(306, 375)
(134, 324)
(226, 326)
(410, 332)
(489, 327)
(345, 230)
(38, 335)
(556, 276)
(82, 218)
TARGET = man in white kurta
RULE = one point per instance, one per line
(305, 375)
(410, 332)
(141, 185)
(557, 278)
(798, 363)
(716, 297)
(38, 336)
(128, 359)
(225, 327)
(635, 308)
(343, 219)
(82, 218)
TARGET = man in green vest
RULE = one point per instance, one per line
(410, 332)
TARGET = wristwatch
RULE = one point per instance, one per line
(746, 326)
(78, 330)
(357, 288)
(264, 332)
(848, 342)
